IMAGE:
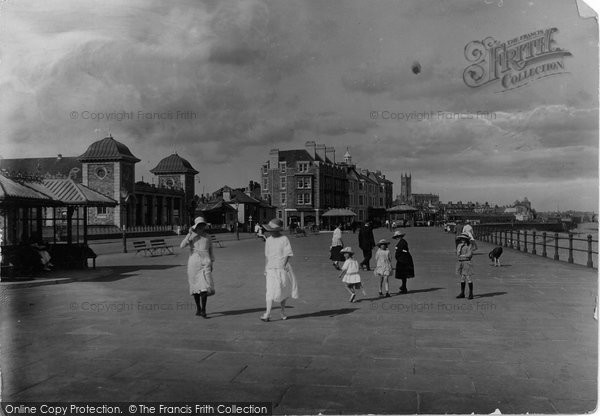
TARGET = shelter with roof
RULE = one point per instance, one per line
(31, 211)
(108, 167)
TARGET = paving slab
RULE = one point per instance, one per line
(526, 343)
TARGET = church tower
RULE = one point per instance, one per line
(405, 187)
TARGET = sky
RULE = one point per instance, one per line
(230, 81)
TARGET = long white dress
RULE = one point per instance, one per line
(281, 281)
(199, 268)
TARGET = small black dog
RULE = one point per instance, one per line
(495, 255)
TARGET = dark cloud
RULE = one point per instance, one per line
(261, 74)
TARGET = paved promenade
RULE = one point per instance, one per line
(526, 343)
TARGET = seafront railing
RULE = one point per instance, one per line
(543, 243)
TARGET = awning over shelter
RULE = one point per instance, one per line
(339, 212)
(13, 193)
(70, 192)
(402, 208)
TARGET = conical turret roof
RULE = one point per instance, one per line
(174, 164)
(107, 149)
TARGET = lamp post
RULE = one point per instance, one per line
(237, 220)
(126, 198)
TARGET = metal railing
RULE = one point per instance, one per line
(541, 243)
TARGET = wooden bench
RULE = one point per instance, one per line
(159, 246)
(88, 253)
(215, 240)
(140, 246)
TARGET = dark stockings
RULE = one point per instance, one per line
(200, 310)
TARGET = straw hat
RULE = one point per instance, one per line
(274, 225)
(383, 241)
(463, 236)
(398, 234)
(347, 250)
(199, 220)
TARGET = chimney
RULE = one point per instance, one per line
(274, 159)
(320, 149)
(310, 148)
(330, 150)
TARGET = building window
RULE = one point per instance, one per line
(101, 173)
(282, 167)
(303, 166)
(265, 183)
(100, 210)
(304, 199)
(304, 183)
(283, 182)
(360, 200)
(361, 186)
(380, 202)
(265, 169)
(282, 198)
(169, 182)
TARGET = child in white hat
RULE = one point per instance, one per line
(349, 274)
(383, 267)
(464, 267)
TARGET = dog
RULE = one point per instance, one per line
(495, 256)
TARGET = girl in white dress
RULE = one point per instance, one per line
(350, 274)
(200, 264)
(281, 281)
(383, 268)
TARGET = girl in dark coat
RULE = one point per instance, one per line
(405, 268)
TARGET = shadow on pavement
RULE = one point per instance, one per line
(431, 289)
(123, 272)
(329, 313)
(489, 295)
(245, 311)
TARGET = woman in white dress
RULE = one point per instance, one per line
(281, 281)
(200, 264)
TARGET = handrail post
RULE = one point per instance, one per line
(570, 260)
(525, 241)
(544, 253)
(511, 239)
(556, 246)
(533, 251)
(590, 262)
(505, 238)
(519, 240)
(495, 237)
